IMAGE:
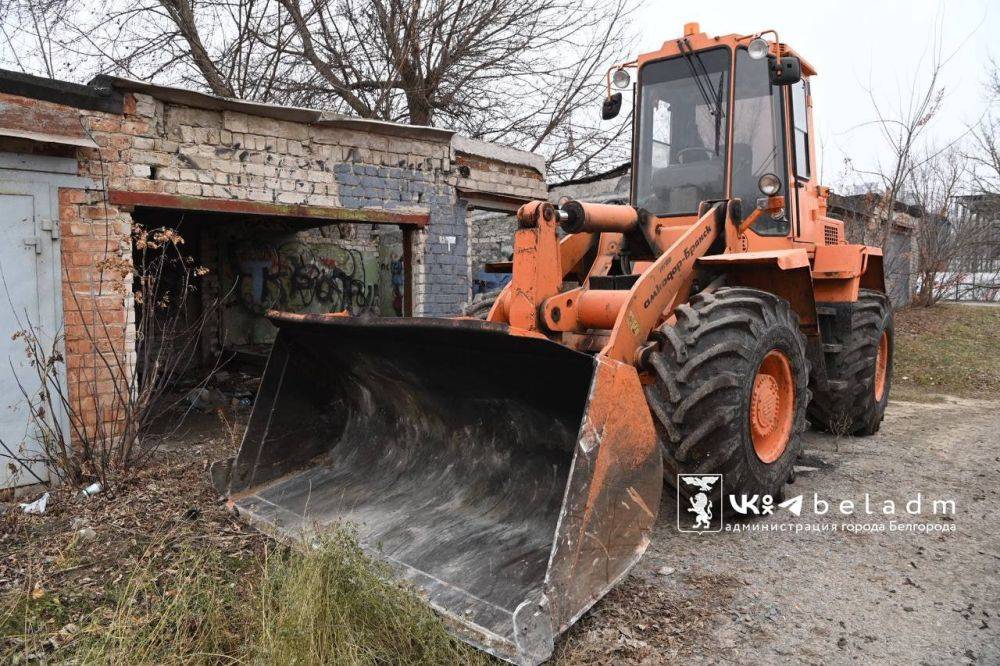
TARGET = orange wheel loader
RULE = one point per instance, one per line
(511, 469)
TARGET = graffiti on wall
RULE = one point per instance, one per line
(391, 280)
(300, 277)
(303, 271)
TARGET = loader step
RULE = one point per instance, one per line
(832, 347)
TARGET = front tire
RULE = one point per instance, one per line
(859, 376)
(730, 390)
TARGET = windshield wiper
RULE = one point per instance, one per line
(696, 75)
(704, 86)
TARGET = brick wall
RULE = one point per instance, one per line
(97, 304)
(167, 148)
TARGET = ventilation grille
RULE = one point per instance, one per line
(831, 234)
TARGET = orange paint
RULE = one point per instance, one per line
(632, 269)
(881, 366)
(772, 407)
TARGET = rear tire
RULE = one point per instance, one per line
(859, 376)
(709, 402)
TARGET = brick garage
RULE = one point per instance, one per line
(321, 180)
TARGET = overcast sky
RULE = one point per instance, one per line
(855, 45)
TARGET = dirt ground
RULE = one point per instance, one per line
(731, 597)
(831, 597)
(869, 594)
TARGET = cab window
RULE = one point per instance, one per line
(758, 145)
(800, 127)
(681, 146)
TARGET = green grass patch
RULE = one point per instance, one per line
(951, 349)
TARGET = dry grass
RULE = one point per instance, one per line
(181, 614)
(170, 576)
(951, 349)
(334, 605)
(326, 603)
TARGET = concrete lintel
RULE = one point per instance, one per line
(302, 211)
(492, 201)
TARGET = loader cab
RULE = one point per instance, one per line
(712, 123)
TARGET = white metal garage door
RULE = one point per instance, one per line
(19, 301)
(30, 294)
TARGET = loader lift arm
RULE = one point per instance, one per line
(533, 304)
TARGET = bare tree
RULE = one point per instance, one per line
(951, 194)
(906, 188)
(946, 234)
(525, 73)
(902, 129)
(980, 264)
(984, 151)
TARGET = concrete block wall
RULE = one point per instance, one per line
(441, 271)
(441, 267)
(231, 155)
(491, 175)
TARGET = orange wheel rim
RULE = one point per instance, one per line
(772, 406)
(881, 366)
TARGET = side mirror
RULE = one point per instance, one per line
(787, 73)
(611, 107)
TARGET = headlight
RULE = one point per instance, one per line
(621, 79)
(757, 49)
(769, 184)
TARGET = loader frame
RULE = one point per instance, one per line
(674, 256)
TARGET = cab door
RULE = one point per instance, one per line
(801, 157)
(758, 148)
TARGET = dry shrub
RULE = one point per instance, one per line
(97, 423)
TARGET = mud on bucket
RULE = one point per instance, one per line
(510, 479)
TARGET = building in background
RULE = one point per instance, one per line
(976, 273)
(286, 208)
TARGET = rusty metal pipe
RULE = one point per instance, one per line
(576, 217)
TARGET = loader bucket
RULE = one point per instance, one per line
(511, 480)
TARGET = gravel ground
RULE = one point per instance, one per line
(837, 596)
